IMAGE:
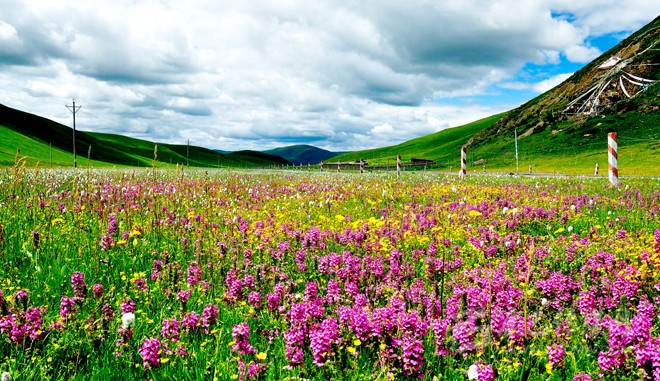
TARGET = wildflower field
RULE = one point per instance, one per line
(172, 275)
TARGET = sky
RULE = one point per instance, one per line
(342, 75)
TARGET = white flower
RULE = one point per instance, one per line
(544, 301)
(5, 376)
(515, 210)
(473, 372)
(505, 210)
(570, 228)
(128, 320)
(573, 207)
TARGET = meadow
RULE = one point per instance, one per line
(220, 275)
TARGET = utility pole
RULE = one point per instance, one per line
(515, 134)
(73, 110)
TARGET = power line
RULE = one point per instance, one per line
(73, 110)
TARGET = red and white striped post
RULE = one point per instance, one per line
(613, 158)
(463, 171)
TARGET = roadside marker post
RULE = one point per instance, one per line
(463, 173)
(613, 158)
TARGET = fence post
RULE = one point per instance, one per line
(613, 158)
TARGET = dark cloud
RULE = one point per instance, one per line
(24, 45)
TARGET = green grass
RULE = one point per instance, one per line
(37, 153)
(200, 218)
(441, 146)
(568, 146)
(35, 136)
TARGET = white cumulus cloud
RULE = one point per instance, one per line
(261, 74)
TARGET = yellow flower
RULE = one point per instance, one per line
(164, 360)
(548, 368)
(357, 342)
(56, 221)
(261, 356)
(474, 213)
(383, 346)
(350, 350)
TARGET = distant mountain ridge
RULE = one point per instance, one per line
(302, 154)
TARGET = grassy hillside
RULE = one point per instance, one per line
(442, 146)
(564, 148)
(552, 140)
(39, 137)
(38, 153)
(302, 153)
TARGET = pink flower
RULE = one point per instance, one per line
(556, 355)
(170, 329)
(241, 333)
(127, 305)
(150, 353)
(322, 339)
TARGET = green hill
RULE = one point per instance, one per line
(302, 154)
(442, 146)
(552, 135)
(44, 141)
